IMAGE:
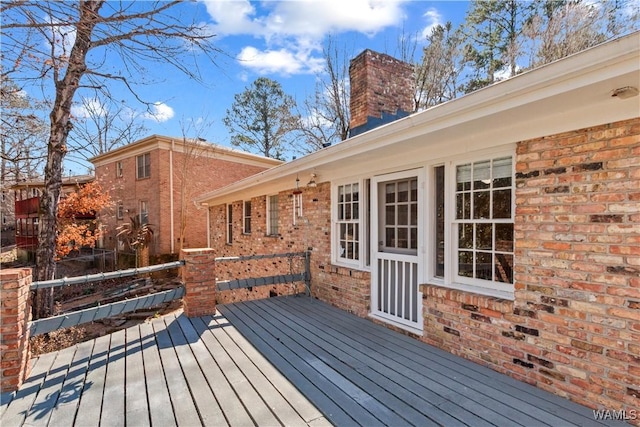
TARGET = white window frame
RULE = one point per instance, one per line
(146, 166)
(246, 216)
(270, 231)
(229, 222)
(363, 261)
(451, 278)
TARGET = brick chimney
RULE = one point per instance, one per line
(382, 90)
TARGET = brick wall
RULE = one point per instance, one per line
(345, 288)
(574, 327)
(14, 318)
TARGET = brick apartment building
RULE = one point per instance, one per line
(158, 177)
(26, 209)
(502, 226)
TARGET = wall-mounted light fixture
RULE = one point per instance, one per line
(625, 92)
(312, 183)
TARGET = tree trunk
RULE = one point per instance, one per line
(56, 150)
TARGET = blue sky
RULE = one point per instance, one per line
(281, 40)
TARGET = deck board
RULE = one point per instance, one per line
(290, 361)
(527, 399)
(183, 405)
(458, 386)
(446, 387)
(24, 398)
(65, 409)
(280, 394)
(217, 376)
(90, 405)
(136, 405)
(113, 409)
(160, 409)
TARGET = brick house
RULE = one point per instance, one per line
(502, 226)
(158, 177)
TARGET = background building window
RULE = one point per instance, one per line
(119, 169)
(144, 212)
(229, 224)
(246, 220)
(144, 165)
(272, 215)
(120, 210)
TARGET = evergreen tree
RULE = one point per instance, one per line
(261, 119)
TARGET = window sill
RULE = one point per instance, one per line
(350, 266)
(467, 294)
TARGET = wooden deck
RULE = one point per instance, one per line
(280, 361)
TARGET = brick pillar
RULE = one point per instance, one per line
(15, 310)
(199, 278)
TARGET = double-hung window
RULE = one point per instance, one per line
(474, 233)
(351, 223)
(143, 162)
(229, 224)
(347, 222)
(246, 217)
(120, 210)
(272, 215)
(119, 169)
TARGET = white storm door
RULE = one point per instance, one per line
(397, 227)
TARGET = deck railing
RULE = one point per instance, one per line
(291, 277)
(66, 320)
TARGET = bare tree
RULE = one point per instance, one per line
(193, 149)
(21, 136)
(102, 125)
(70, 46)
(561, 28)
(326, 116)
(437, 75)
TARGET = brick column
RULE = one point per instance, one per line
(198, 276)
(14, 317)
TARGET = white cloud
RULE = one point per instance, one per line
(303, 18)
(281, 61)
(433, 19)
(90, 107)
(293, 30)
(62, 37)
(160, 113)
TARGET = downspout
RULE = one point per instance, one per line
(171, 195)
